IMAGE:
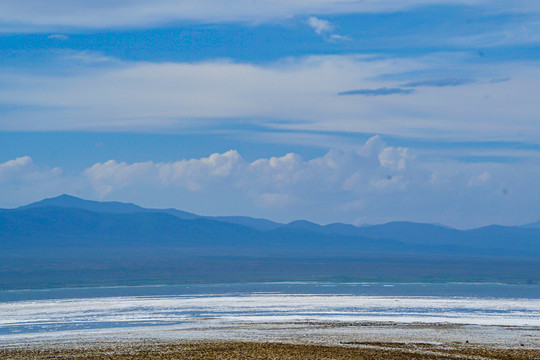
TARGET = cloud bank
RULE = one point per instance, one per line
(22, 169)
(373, 184)
(287, 176)
(101, 94)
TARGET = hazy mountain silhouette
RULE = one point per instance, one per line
(534, 225)
(67, 241)
(67, 201)
(68, 221)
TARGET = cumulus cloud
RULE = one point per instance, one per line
(273, 180)
(111, 175)
(394, 158)
(13, 168)
(192, 173)
(23, 181)
(371, 183)
(22, 169)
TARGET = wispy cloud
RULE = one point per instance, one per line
(88, 57)
(377, 92)
(60, 37)
(439, 82)
(297, 94)
(319, 25)
(337, 37)
(35, 14)
(326, 29)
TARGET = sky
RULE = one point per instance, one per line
(354, 111)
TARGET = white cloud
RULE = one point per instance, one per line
(337, 37)
(371, 184)
(374, 183)
(87, 58)
(319, 25)
(295, 94)
(30, 15)
(22, 181)
(287, 175)
(190, 173)
(22, 169)
(276, 172)
(325, 28)
(13, 168)
(272, 182)
(60, 37)
(111, 175)
(394, 158)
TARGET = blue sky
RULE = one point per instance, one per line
(352, 111)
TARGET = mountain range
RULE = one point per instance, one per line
(67, 222)
(67, 241)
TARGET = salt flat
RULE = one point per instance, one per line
(312, 318)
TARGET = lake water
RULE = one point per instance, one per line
(54, 310)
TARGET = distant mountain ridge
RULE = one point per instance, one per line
(68, 201)
(66, 221)
(534, 225)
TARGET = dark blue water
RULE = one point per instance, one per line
(476, 290)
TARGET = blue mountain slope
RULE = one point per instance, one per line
(306, 225)
(534, 225)
(256, 223)
(62, 228)
(109, 221)
(416, 233)
(68, 227)
(67, 201)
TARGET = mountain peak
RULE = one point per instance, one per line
(303, 224)
(65, 197)
(70, 201)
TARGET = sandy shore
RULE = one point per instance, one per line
(252, 350)
(303, 340)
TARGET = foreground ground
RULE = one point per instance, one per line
(250, 350)
(324, 340)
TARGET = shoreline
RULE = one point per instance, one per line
(266, 350)
(274, 321)
(389, 282)
(283, 340)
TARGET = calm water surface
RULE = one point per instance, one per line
(477, 290)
